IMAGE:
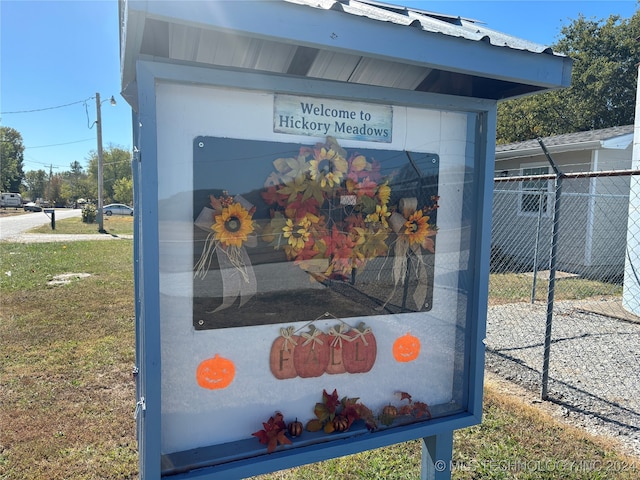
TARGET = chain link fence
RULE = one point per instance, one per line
(556, 321)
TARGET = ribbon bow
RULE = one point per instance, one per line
(402, 250)
(287, 334)
(312, 336)
(361, 331)
(339, 334)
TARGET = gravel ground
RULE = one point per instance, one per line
(594, 372)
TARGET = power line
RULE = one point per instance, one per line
(59, 144)
(46, 108)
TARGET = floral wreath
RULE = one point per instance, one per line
(329, 213)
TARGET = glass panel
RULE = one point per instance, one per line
(286, 232)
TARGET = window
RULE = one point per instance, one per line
(534, 192)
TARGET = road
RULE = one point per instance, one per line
(13, 228)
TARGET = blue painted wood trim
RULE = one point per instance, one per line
(484, 195)
(150, 347)
(137, 271)
(437, 454)
(288, 458)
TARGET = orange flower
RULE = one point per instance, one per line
(417, 227)
(233, 226)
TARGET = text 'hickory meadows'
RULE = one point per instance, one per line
(315, 118)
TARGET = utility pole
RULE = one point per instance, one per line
(100, 161)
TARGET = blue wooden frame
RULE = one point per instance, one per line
(437, 433)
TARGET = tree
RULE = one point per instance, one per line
(36, 183)
(116, 165)
(603, 84)
(76, 182)
(56, 192)
(123, 191)
(11, 159)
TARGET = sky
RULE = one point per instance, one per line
(55, 55)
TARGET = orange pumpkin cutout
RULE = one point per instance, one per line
(215, 373)
(311, 355)
(281, 356)
(406, 348)
(359, 355)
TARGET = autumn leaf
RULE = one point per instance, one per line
(421, 409)
(301, 208)
(273, 432)
(321, 411)
(293, 187)
(215, 203)
(279, 438)
(404, 396)
(331, 401)
(273, 196)
(314, 190)
(428, 243)
(375, 244)
(405, 410)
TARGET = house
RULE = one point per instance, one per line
(593, 213)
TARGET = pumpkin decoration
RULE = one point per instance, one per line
(215, 373)
(311, 355)
(340, 423)
(406, 348)
(337, 338)
(295, 428)
(281, 356)
(359, 354)
(389, 414)
(390, 410)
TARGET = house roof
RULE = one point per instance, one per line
(355, 41)
(613, 137)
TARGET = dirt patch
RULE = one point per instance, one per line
(65, 278)
(608, 307)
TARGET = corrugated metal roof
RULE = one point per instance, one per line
(355, 41)
(451, 25)
(567, 141)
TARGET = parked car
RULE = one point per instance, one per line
(117, 209)
(32, 207)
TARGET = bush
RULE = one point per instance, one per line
(89, 213)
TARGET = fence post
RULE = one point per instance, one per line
(552, 271)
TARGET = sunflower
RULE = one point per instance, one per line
(417, 227)
(297, 234)
(328, 167)
(379, 216)
(233, 225)
(384, 193)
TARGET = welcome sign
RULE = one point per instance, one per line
(329, 117)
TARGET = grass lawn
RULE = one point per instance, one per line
(117, 225)
(516, 287)
(67, 395)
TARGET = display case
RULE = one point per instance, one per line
(313, 189)
(326, 278)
